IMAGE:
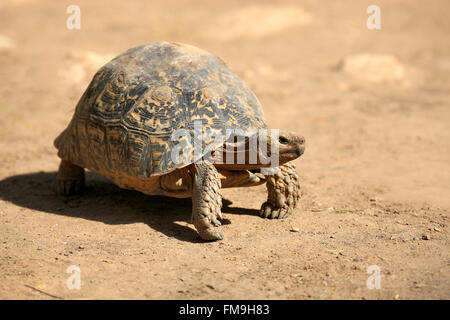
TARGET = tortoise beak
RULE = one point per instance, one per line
(300, 150)
(300, 146)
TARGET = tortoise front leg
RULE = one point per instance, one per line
(206, 201)
(283, 193)
(70, 179)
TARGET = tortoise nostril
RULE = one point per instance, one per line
(302, 140)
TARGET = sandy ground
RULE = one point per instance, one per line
(373, 105)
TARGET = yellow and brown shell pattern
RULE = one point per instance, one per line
(124, 121)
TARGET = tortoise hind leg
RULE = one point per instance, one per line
(206, 201)
(70, 179)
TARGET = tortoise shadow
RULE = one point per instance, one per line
(105, 202)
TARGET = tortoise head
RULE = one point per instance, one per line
(290, 146)
(243, 154)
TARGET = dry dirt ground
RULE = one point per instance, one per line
(373, 105)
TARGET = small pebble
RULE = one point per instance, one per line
(396, 297)
(426, 237)
(6, 43)
(437, 229)
(81, 247)
(295, 229)
(415, 238)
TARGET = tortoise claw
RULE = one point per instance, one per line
(70, 187)
(211, 234)
(272, 212)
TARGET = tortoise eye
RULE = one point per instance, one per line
(283, 140)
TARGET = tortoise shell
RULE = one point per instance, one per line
(123, 123)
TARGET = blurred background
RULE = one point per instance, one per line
(373, 105)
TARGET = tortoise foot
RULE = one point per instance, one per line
(70, 187)
(268, 210)
(70, 179)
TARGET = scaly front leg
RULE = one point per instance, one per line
(206, 201)
(283, 193)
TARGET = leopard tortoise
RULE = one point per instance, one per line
(124, 124)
